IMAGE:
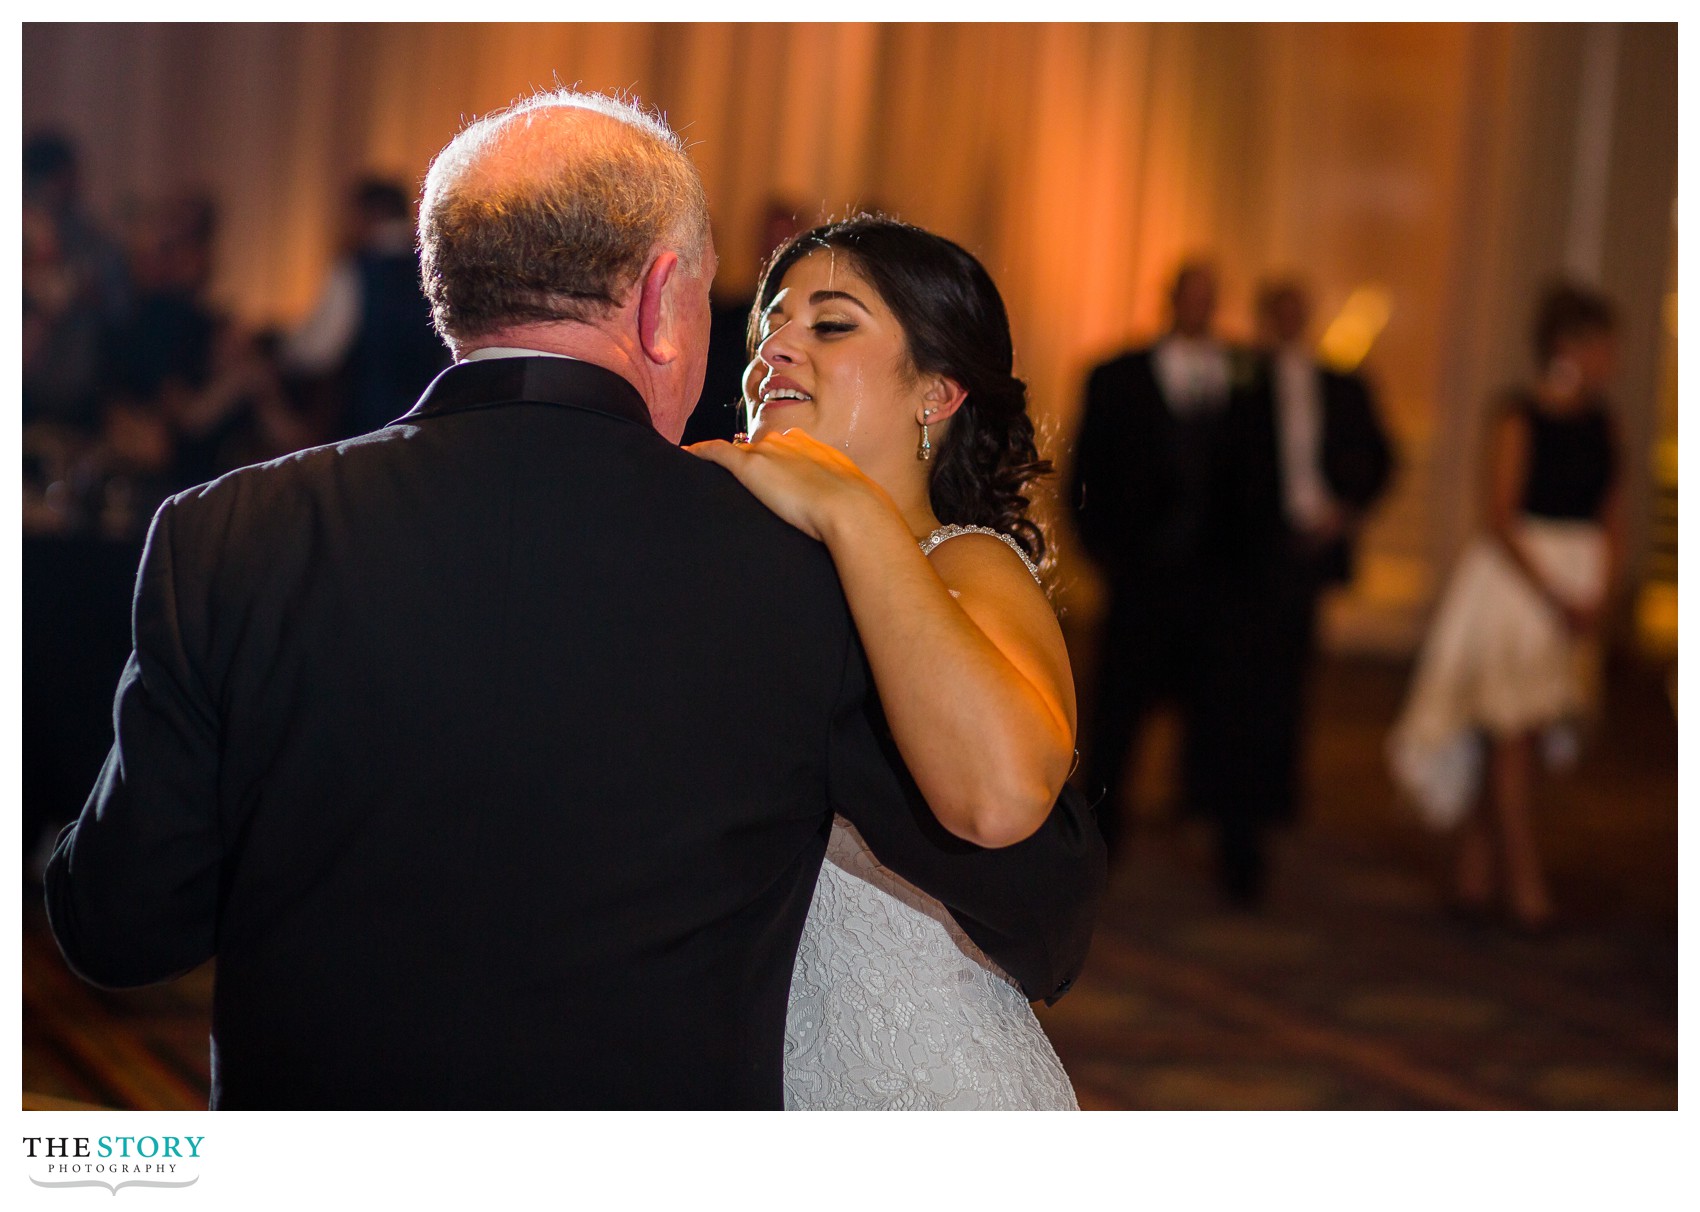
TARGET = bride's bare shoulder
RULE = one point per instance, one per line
(973, 549)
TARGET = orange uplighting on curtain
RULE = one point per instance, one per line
(1081, 163)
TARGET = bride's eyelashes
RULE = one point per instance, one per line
(821, 328)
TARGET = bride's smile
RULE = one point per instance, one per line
(779, 390)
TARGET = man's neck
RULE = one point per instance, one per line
(585, 342)
(611, 343)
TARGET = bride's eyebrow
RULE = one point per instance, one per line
(823, 296)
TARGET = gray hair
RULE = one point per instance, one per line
(521, 223)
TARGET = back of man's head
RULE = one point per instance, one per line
(549, 212)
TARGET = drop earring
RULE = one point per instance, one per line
(924, 451)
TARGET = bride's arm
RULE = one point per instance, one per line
(975, 680)
(964, 648)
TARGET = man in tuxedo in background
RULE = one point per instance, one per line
(370, 332)
(1145, 489)
(1306, 458)
(434, 739)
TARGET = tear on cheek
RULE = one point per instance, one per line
(954, 593)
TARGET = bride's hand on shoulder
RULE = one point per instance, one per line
(806, 482)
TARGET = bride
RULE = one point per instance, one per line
(888, 424)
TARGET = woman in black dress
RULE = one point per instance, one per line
(1499, 673)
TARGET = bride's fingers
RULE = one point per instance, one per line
(715, 451)
(773, 460)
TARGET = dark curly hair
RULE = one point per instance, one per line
(1567, 310)
(954, 324)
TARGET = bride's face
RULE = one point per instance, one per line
(833, 362)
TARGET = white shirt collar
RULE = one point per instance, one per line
(509, 351)
(1193, 373)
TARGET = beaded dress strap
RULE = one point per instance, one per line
(946, 533)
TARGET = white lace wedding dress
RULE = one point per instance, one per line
(893, 1007)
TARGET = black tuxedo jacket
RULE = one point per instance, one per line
(1146, 484)
(435, 739)
(1357, 463)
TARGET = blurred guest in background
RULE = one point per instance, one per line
(719, 411)
(371, 328)
(161, 368)
(76, 290)
(1145, 489)
(170, 391)
(191, 393)
(1306, 457)
(1505, 661)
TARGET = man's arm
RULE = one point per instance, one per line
(1364, 464)
(1030, 906)
(132, 888)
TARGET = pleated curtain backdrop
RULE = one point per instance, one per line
(1080, 162)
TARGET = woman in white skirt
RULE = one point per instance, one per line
(1502, 675)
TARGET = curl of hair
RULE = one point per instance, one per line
(954, 325)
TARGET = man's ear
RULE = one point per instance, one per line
(943, 397)
(658, 308)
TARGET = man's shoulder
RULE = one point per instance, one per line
(1128, 361)
(1129, 378)
(710, 496)
(283, 476)
(690, 505)
(1346, 390)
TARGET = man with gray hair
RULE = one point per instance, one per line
(432, 738)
